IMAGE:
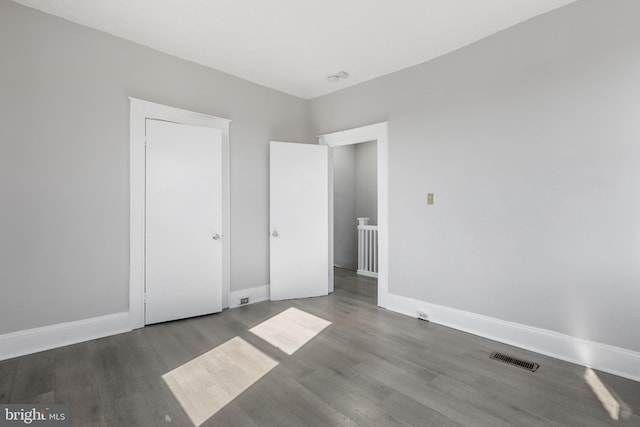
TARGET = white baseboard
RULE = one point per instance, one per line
(604, 357)
(29, 341)
(366, 273)
(257, 294)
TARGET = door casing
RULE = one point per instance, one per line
(140, 111)
(378, 132)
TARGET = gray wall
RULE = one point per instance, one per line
(367, 181)
(64, 162)
(530, 140)
(345, 234)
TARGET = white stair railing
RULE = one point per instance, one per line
(367, 248)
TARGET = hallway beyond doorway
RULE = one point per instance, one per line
(352, 286)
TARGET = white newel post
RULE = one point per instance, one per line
(367, 248)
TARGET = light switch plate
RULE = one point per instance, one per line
(430, 198)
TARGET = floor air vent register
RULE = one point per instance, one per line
(524, 364)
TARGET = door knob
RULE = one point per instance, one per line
(216, 236)
(275, 233)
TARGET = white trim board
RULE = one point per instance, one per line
(378, 132)
(140, 111)
(604, 357)
(29, 341)
(257, 294)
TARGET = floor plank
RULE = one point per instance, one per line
(35, 376)
(77, 386)
(8, 370)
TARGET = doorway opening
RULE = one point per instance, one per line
(355, 218)
(374, 134)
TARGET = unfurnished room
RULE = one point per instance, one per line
(319, 213)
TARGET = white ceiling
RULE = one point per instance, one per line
(293, 45)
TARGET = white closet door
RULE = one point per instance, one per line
(183, 264)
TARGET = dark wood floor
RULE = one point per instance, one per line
(371, 367)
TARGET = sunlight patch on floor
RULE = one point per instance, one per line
(290, 330)
(207, 383)
(610, 403)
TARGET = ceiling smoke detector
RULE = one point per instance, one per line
(338, 76)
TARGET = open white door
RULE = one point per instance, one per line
(183, 264)
(299, 220)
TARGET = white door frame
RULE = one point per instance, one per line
(140, 111)
(378, 132)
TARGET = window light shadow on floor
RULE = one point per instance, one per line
(290, 330)
(616, 408)
(207, 383)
